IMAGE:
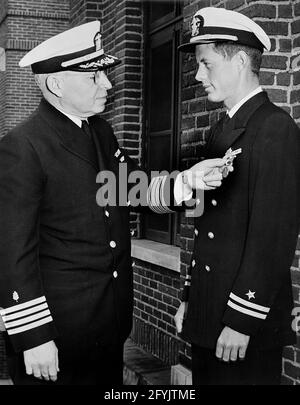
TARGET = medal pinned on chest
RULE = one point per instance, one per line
(229, 158)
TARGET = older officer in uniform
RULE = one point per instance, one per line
(66, 274)
(237, 300)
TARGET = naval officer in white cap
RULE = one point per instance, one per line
(237, 301)
(66, 276)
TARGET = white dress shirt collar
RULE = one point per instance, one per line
(73, 118)
(243, 101)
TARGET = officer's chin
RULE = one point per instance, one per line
(213, 97)
(100, 107)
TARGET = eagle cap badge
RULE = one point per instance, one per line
(197, 24)
(98, 41)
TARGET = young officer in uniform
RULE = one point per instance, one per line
(66, 288)
(237, 300)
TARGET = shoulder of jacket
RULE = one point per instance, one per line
(270, 120)
(26, 128)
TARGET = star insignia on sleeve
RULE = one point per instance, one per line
(251, 295)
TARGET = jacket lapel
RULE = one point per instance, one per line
(72, 138)
(236, 126)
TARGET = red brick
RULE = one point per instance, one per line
(284, 79)
(296, 293)
(267, 78)
(275, 62)
(188, 94)
(273, 44)
(296, 112)
(275, 27)
(234, 4)
(197, 106)
(296, 27)
(189, 80)
(296, 79)
(285, 45)
(289, 353)
(296, 42)
(291, 370)
(187, 123)
(203, 121)
(295, 96)
(286, 380)
(186, 258)
(285, 11)
(200, 92)
(191, 136)
(213, 106)
(260, 10)
(277, 95)
(296, 262)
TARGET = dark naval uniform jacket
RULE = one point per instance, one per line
(66, 271)
(245, 241)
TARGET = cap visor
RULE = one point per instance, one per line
(187, 48)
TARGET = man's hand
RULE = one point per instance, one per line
(42, 362)
(205, 175)
(180, 316)
(232, 345)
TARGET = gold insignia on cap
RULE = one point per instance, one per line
(197, 23)
(98, 41)
(107, 60)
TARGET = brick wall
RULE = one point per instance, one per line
(123, 37)
(280, 76)
(156, 302)
(82, 11)
(23, 23)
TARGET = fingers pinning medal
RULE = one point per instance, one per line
(229, 158)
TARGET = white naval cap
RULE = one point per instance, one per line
(211, 24)
(78, 49)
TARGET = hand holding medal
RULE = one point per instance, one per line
(229, 158)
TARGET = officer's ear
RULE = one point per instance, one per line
(242, 60)
(54, 84)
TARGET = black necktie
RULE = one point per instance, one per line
(224, 121)
(220, 127)
(86, 128)
(218, 130)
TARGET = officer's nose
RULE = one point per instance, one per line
(201, 75)
(102, 81)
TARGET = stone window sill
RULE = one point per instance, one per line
(156, 253)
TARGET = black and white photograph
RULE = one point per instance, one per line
(149, 195)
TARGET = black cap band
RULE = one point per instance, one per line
(243, 37)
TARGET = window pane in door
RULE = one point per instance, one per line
(161, 87)
(159, 9)
(159, 156)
